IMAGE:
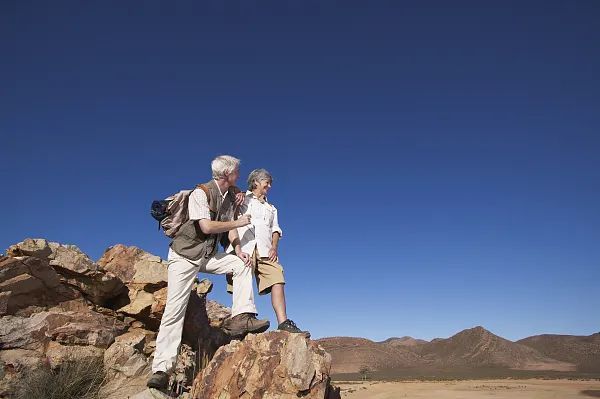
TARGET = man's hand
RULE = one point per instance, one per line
(245, 257)
(239, 198)
(243, 220)
(273, 254)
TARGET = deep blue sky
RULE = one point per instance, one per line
(436, 164)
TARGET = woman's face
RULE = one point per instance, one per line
(263, 186)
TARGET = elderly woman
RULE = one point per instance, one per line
(261, 239)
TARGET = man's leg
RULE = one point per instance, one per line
(181, 275)
(243, 310)
(243, 294)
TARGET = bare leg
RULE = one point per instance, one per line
(278, 302)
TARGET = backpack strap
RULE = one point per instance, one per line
(206, 191)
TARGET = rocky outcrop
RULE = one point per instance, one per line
(58, 306)
(271, 365)
(136, 268)
(28, 284)
(75, 268)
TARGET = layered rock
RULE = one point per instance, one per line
(271, 365)
(29, 284)
(75, 268)
(58, 306)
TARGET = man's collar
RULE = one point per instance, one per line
(222, 193)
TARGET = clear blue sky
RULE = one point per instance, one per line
(436, 164)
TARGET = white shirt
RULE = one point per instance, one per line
(264, 222)
(198, 204)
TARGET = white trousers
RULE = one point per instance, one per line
(181, 273)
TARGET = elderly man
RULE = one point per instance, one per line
(211, 209)
(261, 239)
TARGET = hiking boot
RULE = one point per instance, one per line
(159, 380)
(291, 327)
(243, 324)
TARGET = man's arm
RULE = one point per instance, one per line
(198, 210)
(213, 227)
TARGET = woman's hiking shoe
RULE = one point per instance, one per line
(159, 380)
(291, 327)
(244, 323)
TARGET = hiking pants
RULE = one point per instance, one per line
(181, 273)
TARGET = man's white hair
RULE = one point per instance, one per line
(224, 165)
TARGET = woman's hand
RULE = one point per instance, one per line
(273, 254)
(239, 198)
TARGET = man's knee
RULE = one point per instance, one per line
(239, 268)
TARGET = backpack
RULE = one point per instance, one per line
(172, 212)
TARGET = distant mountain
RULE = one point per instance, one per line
(477, 347)
(350, 354)
(583, 351)
(404, 341)
(469, 349)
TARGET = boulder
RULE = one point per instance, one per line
(13, 362)
(58, 354)
(71, 328)
(271, 365)
(138, 269)
(76, 268)
(29, 282)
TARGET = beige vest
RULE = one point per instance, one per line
(190, 242)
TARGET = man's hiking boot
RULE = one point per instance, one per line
(291, 327)
(159, 380)
(243, 324)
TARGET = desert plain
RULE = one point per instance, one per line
(471, 389)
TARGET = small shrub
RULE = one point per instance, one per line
(78, 379)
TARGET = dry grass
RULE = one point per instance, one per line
(80, 379)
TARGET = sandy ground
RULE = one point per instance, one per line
(472, 389)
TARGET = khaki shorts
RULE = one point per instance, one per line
(267, 274)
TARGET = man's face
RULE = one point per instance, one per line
(233, 176)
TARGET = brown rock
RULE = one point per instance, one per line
(138, 269)
(57, 354)
(12, 363)
(30, 282)
(76, 268)
(122, 361)
(204, 287)
(140, 304)
(74, 328)
(271, 365)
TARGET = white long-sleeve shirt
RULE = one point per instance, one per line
(264, 222)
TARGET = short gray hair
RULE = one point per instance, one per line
(258, 175)
(224, 165)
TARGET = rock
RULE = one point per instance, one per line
(57, 354)
(73, 328)
(204, 287)
(124, 361)
(30, 282)
(138, 269)
(67, 257)
(140, 304)
(217, 313)
(28, 332)
(271, 365)
(12, 363)
(76, 268)
(186, 367)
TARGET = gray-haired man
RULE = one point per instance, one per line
(194, 249)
